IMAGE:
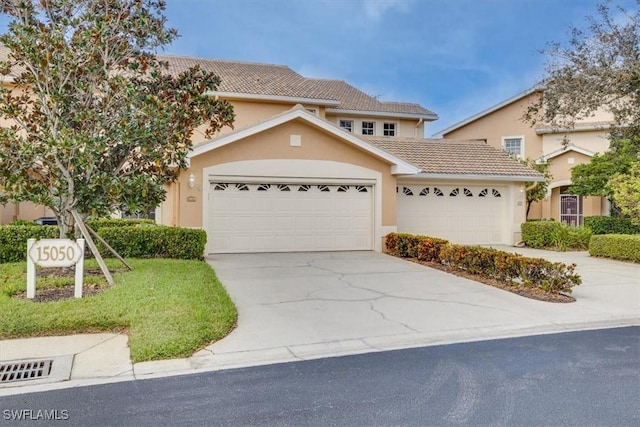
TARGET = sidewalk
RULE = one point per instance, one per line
(304, 306)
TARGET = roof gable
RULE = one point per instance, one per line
(489, 110)
(399, 165)
(566, 149)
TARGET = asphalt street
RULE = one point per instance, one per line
(576, 378)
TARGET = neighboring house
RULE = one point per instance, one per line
(318, 165)
(501, 126)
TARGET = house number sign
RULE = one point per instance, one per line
(54, 253)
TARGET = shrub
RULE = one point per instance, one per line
(549, 276)
(13, 240)
(552, 234)
(512, 268)
(24, 222)
(155, 241)
(611, 225)
(99, 223)
(403, 245)
(539, 234)
(489, 263)
(617, 246)
(565, 237)
(407, 245)
(429, 248)
(391, 243)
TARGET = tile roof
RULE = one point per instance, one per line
(279, 80)
(252, 78)
(245, 77)
(452, 157)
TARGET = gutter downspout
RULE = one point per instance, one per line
(420, 121)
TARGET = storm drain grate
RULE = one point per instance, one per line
(25, 370)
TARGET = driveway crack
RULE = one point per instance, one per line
(397, 322)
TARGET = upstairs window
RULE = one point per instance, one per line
(368, 128)
(389, 129)
(347, 125)
(514, 146)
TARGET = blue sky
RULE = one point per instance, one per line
(455, 57)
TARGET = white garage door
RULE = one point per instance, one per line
(460, 214)
(289, 217)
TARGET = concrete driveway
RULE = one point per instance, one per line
(307, 305)
(297, 306)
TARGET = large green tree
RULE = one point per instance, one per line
(92, 121)
(626, 192)
(592, 179)
(598, 68)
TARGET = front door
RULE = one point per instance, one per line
(571, 209)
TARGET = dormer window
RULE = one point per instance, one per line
(368, 128)
(347, 125)
(389, 129)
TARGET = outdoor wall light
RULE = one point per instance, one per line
(192, 181)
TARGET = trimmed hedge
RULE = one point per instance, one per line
(539, 234)
(99, 223)
(556, 235)
(155, 241)
(13, 240)
(624, 247)
(24, 222)
(611, 225)
(407, 245)
(508, 268)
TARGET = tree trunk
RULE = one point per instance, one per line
(66, 222)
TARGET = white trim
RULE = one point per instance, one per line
(566, 149)
(487, 111)
(303, 171)
(522, 144)
(577, 128)
(363, 113)
(556, 184)
(276, 98)
(251, 179)
(470, 177)
(399, 166)
(7, 79)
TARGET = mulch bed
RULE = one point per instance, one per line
(528, 292)
(66, 292)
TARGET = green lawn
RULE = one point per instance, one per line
(170, 308)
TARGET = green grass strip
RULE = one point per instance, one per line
(170, 308)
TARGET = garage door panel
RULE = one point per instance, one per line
(268, 217)
(462, 214)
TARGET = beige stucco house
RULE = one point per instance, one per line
(315, 165)
(501, 126)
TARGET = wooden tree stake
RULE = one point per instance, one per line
(92, 246)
